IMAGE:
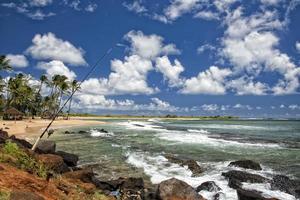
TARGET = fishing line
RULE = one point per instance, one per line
(70, 97)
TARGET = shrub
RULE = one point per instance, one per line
(23, 160)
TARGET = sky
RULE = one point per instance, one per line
(184, 57)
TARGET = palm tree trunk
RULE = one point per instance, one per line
(69, 107)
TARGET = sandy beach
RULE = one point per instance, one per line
(32, 127)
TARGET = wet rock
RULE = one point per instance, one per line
(233, 183)
(244, 176)
(176, 189)
(53, 162)
(69, 158)
(219, 196)
(20, 142)
(47, 146)
(210, 186)
(67, 132)
(103, 130)
(191, 164)
(82, 132)
(85, 175)
(3, 134)
(251, 195)
(22, 195)
(247, 164)
(132, 189)
(285, 184)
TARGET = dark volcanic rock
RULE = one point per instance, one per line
(251, 195)
(82, 132)
(53, 162)
(176, 189)
(20, 142)
(233, 183)
(285, 184)
(244, 176)
(22, 195)
(69, 158)
(191, 164)
(210, 186)
(132, 189)
(219, 196)
(3, 134)
(247, 164)
(47, 146)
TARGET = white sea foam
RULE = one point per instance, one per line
(200, 138)
(140, 125)
(96, 133)
(197, 131)
(160, 169)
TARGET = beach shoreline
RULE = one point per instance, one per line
(32, 127)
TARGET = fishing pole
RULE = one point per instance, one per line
(70, 97)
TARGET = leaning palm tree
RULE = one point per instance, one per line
(74, 86)
(4, 63)
(63, 86)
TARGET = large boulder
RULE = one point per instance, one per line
(85, 175)
(285, 184)
(210, 186)
(53, 162)
(247, 164)
(251, 195)
(176, 189)
(244, 176)
(132, 189)
(20, 142)
(22, 195)
(233, 183)
(47, 146)
(69, 158)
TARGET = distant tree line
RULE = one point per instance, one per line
(17, 92)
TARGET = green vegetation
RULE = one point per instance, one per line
(22, 93)
(4, 195)
(12, 153)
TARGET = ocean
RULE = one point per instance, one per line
(139, 147)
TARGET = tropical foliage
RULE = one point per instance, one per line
(43, 99)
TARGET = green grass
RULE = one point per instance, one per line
(12, 153)
(4, 195)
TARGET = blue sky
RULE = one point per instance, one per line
(188, 57)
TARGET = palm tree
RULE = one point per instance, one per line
(74, 86)
(43, 79)
(63, 86)
(4, 63)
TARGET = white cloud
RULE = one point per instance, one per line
(207, 15)
(271, 2)
(179, 7)
(127, 77)
(294, 107)
(40, 3)
(246, 86)
(149, 46)
(91, 7)
(205, 47)
(19, 61)
(39, 15)
(56, 67)
(298, 46)
(169, 71)
(210, 107)
(210, 81)
(241, 106)
(48, 46)
(135, 6)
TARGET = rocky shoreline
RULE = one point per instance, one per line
(63, 179)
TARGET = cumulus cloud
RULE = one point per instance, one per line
(207, 15)
(18, 61)
(91, 7)
(179, 7)
(210, 81)
(56, 67)
(205, 47)
(127, 77)
(241, 106)
(169, 71)
(210, 107)
(40, 15)
(48, 46)
(136, 6)
(246, 86)
(149, 46)
(40, 3)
